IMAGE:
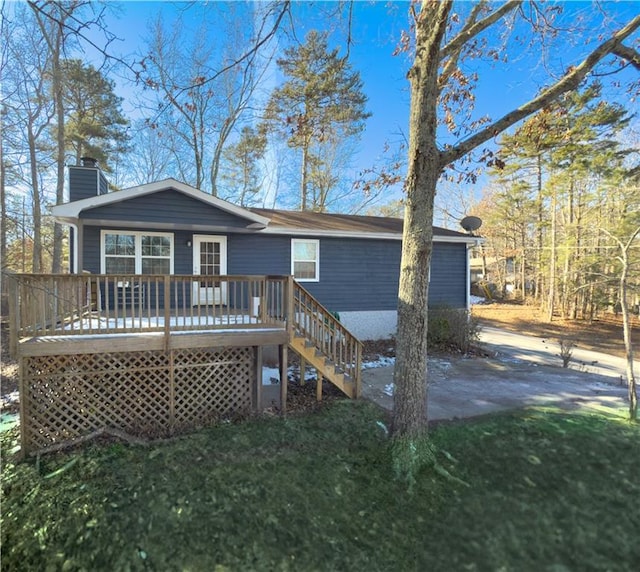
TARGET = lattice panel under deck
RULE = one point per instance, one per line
(212, 383)
(143, 393)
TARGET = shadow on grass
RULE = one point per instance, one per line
(316, 492)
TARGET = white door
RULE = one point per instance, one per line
(209, 260)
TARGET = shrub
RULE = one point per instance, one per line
(452, 328)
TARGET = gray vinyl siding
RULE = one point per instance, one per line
(83, 183)
(251, 254)
(355, 274)
(166, 207)
(448, 280)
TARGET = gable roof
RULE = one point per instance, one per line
(267, 221)
(72, 210)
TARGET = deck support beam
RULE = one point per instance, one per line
(284, 360)
(257, 389)
(318, 385)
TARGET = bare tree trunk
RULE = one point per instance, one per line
(424, 168)
(56, 264)
(36, 210)
(304, 178)
(626, 325)
(628, 345)
(539, 230)
(3, 206)
(552, 263)
(55, 38)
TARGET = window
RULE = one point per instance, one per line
(305, 257)
(136, 253)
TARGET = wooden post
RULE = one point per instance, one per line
(14, 319)
(289, 314)
(167, 311)
(257, 390)
(303, 369)
(358, 370)
(318, 385)
(283, 377)
(172, 391)
(263, 301)
(22, 391)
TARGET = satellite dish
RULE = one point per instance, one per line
(471, 223)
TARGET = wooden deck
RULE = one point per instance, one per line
(101, 349)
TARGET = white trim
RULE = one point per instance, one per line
(73, 209)
(74, 262)
(370, 235)
(210, 238)
(219, 297)
(317, 260)
(138, 248)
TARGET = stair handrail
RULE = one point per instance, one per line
(316, 323)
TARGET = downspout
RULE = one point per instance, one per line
(77, 259)
(468, 277)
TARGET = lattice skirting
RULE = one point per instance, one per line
(144, 393)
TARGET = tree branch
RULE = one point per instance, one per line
(454, 56)
(629, 54)
(469, 32)
(569, 82)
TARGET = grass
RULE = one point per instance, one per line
(549, 491)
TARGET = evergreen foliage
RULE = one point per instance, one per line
(95, 125)
(241, 180)
(320, 103)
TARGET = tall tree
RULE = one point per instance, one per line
(202, 81)
(242, 176)
(561, 153)
(320, 102)
(64, 26)
(27, 100)
(95, 125)
(52, 22)
(150, 160)
(442, 41)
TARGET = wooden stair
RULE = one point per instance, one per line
(321, 341)
(324, 365)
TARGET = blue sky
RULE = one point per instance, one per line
(376, 28)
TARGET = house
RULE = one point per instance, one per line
(174, 295)
(349, 263)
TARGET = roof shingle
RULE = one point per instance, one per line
(306, 220)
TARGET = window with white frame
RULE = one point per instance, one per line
(305, 259)
(125, 252)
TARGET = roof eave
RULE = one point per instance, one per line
(72, 210)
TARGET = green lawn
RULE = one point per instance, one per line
(548, 491)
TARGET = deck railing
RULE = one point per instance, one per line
(320, 326)
(85, 304)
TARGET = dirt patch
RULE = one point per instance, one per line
(603, 334)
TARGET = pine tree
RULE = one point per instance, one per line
(95, 125)
(321, 101)
(241, 177)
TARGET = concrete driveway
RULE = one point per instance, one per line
(546, 351)
(525, 371)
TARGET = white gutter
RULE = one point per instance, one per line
(74, 268)
(471, 240)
